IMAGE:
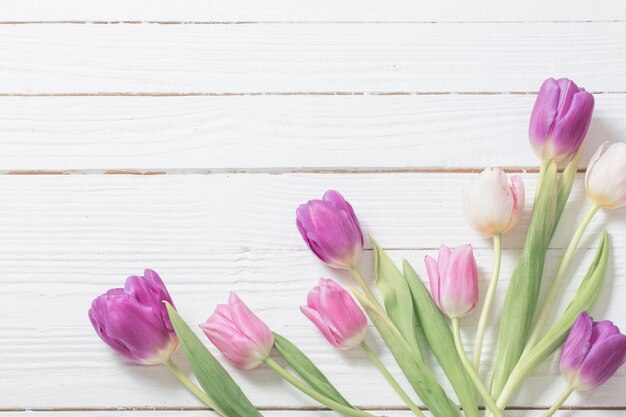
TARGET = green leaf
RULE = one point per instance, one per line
(564, 186)
(416, 372)
(307, 369)
(585, 299)
(523, 292)
(441, 341)
(216, 382)
(396, 294)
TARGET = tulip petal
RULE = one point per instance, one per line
(577, 344)
(602, 361)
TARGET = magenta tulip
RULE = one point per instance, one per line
(592, 353)
(560, 119)
(333, 311)
(331, 230)
(454, 280)
(133, 320)
(241, 336)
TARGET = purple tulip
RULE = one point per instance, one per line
(333, 311)
(560, 119)
(331, 230)
(133, 320)
(592, 353)
(241, 336)
(454, 280)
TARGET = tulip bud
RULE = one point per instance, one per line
(592, 353)
(331, 230)
(560, 119)
(605, 179)
(133, 320)
(491, 205)
(333, 311)
(241, 336)
(454, 280)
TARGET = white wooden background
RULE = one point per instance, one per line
(239, 111)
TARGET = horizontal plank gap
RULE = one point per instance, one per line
(288, 93)
(279, 408)
(297, 22)
(271, 171)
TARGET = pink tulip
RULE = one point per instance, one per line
(241, 336)
(491, 205)
(331, 230)
(333, 311)
(454, 280)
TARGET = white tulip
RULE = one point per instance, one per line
(491, 205)
(605, 179)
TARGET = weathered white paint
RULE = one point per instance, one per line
(295, 58)
(280, 133)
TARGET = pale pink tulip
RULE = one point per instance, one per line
(241, 336)
(454, 280)
(336, 315)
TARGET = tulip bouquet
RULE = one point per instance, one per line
(141, 323)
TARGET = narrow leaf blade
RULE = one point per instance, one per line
(211, 375)
(416, 372)
(441, 341)
(307, 369)
(396, 294)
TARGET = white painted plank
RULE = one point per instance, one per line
(298, 10)
(278, 133)
(448, 57)
(249, 211)
(69, 238)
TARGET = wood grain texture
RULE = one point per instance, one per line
(279, 133)
(296, 58)
(298, 10)
(68, 238)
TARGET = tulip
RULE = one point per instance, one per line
(560, 119)
(331, 230)
(491, 205)
(333, 311)
(133, 320)
(592, 353)
(454, 280)
(605, 179)
(241, 336)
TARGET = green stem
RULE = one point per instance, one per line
(366, 289)
(558, 280)
(484, 315)
(191, 386)
(394, 384)
(566, 393)
(340, 408)
(491, 404)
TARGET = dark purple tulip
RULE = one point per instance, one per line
(560, 119)
(133, 320)
(331, 230)
(592, 353)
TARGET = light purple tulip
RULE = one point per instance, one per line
(331, 230)
(592, 353)
(560, 119)
(454, 280)
(241, 336)
(333, 311)
(133, 320)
